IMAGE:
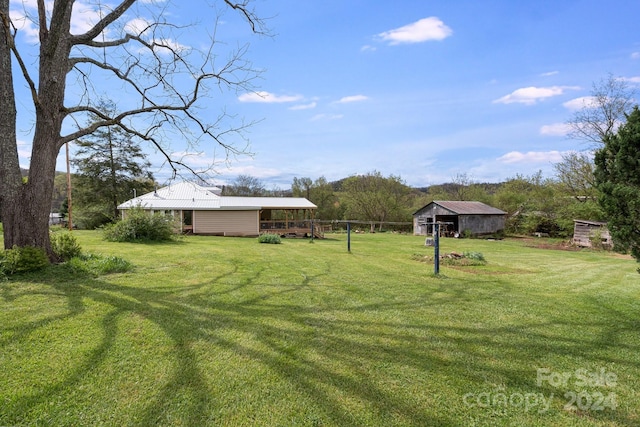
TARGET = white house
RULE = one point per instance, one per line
(202, 210)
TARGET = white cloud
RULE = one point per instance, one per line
(137, 26)
(556, 129)
(368, 48)
(550, 73)
(268, 98)
(635, 55)
(579, 103)
(353, 98)
(426, 29)
(632, 79)
(531, 157)
(327, 117)
(531, 95)
(309, 106)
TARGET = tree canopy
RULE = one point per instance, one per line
(372, 197)
(618, 180)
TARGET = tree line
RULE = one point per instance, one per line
(533, 203)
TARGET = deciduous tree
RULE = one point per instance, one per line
(604, 111)
(372, 197)
(245, 185)
(321, 193)
(165, 82)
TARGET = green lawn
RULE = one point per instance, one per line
(230, 332)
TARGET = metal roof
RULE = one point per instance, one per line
(467, 208)
(191, 196)
(227, 202)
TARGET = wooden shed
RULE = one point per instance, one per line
(586, 233)
(458, 218)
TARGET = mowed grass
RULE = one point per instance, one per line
(229, 332)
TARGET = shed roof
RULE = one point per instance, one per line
(466, 208)
(191, 196)
(583, 221)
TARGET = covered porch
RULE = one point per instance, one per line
(290, 223)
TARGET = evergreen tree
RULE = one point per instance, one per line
(618, 180)
(110, 165)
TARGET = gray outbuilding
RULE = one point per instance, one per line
(459, 218)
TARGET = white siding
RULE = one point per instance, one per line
(226, 223)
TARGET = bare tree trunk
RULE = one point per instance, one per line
(26, 207)
(10, 177)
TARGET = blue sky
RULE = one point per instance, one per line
(424, 90)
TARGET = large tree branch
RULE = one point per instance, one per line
(42, 21)
(103, 23)
(7, 26)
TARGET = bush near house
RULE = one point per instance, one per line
(270, 238)
(141, 226)
(65, 245)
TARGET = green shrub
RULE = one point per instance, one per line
(141, 226)
(98, 265)
(22, 260)
(269, 238)
(65, 245)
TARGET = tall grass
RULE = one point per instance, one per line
(226, 331)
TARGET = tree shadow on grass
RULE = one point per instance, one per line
(338, 357)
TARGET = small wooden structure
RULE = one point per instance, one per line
(457, 218)
(588, 233)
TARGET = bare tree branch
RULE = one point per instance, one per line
(10, 37)
(110, 18)
(603, 112)
(257, 24)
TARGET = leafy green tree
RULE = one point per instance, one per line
(531, 203)
(59, 199)
(372, 197)
(577, 188)
(110, 165)
(577, 177)
(301, 187)
(617, 178)
(321, 193)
